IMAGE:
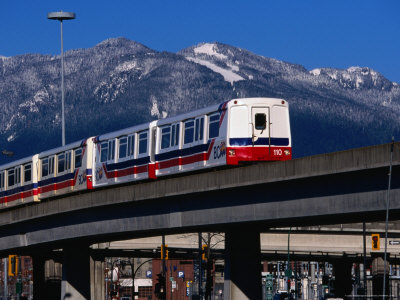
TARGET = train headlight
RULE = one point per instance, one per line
(287, 152)
(232, 152)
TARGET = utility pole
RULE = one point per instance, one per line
(5, 278)
(200, 266)
(387, 217)
(164, 268)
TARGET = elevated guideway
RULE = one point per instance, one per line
(342, 187)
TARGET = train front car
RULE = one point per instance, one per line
(258, 129)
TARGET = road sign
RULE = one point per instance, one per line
(394, 242)
(149, 274)
(181, 274)
(268, 287)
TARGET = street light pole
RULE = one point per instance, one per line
(61, 16)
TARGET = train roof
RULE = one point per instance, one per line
(21, 161)
(191, 114)
(219, 107)
(124, 131)
(62, 148)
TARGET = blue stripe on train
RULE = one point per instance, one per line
(183, 152)
(259, 142)
(17, 190)
(58, 179)
(128, 164)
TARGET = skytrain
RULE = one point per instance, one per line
(233, 132)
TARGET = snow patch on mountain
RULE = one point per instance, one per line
(155, 112)
(387, 103)
(127, 66)
(315, 72)
(39, 98)
(355, 78)
(12, 137)
(209, 49)
(228, 74)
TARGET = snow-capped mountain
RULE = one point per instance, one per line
(120, 83)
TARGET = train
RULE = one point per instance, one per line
(233, 132)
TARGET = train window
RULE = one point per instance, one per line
(189, 132)
(27, 172)
(51, 165)
(61, 162)
(143, 142)
(199, 129)
(78, 158)
(68, 160)
(111, 150)
(2, 181)
(196, 134)
(103, 151)
(260, 121)
(165, 137)
(131, 145)
(175, 135)
(213, 126)
(18, 175)
(11, 177)
(45, 167)
(123, 147)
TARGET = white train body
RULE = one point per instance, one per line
(65, 169)
(239, 130)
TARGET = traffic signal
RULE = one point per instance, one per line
(375, 241)
(159, 288)
(164, 251)
(12, 265)
(204, 252)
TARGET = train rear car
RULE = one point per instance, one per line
(18, 182)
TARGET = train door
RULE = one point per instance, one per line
(152, 151)
(260, 125)
(153, 144)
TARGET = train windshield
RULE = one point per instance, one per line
(260, 116)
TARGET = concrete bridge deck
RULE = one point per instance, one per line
(346, 186)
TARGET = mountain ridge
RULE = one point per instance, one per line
(119, 83)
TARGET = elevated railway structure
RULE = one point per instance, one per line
(342, 187)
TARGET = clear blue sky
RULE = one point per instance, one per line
(313, 33)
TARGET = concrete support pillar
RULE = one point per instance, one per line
(377, 276)
(343, 282)
(97, 284)
(242, 265)
(39, 284)
(76, 273)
